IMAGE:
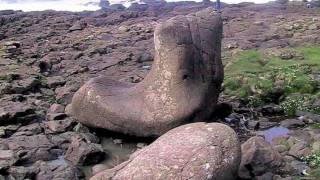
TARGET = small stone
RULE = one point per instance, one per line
(294, 167)
(25, 85)
(8, 130)
(292, 123)
(12, 112)
(300, 149)
(265, 123)
(136, 79)
(7, 158)
(81, 128)
(271, 109)
(281, 148)
(30, 149)
(59, 126)
(56, 116)
(78, 26)
(29, 130)
(82, 153)
(56, 108)
(145, 57)
(312, 116)
(117, 141)
(141, 145)
(253, 125)
(46, 171)
(146, 67)
(313, 27)
(6, 154)
(56, 81)
(124, 29)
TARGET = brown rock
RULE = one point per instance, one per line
(13, 112)
(83, 153)
(258, 157)
(183, 83)
(59, 126)
(6, 158)
(56, 108)
(30, 148)
(192, 151)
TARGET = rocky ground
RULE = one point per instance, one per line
(46, 56)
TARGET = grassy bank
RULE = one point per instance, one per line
(289, 77)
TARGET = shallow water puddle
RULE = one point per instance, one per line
(274, 132)
(58, 162)
(116, 154)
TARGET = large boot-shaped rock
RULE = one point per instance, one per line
(196, 151)
(183, 84)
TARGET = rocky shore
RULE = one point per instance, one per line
(45, 57)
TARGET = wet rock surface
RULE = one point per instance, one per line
(44, 61)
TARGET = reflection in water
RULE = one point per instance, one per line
(275, 132)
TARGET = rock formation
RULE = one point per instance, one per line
(192, 151)
(183, 84)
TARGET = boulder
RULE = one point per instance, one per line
(258, 157)
(192, 151)
(78, 26)
(183, 84)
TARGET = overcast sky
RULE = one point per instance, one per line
(72, 5)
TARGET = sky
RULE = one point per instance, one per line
(73, 5)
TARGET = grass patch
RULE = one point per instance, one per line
(3, 77)
(315, 126)
(259, 76)
(313, 160)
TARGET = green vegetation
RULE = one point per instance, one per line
(3, 77)
(315, 173)
(315, 125)
(13, 67)
(313, 160)
(302, 102)
(261, 76)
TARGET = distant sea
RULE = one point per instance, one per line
(77, 5)
(59, 5)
